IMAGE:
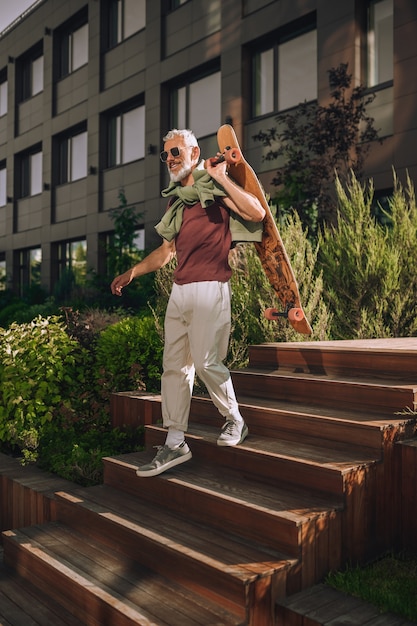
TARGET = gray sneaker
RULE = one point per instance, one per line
(232, 433)
(165, 459)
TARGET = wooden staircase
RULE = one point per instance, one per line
(222, 538)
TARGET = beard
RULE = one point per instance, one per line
(184, 171)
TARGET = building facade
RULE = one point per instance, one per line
(88, 88)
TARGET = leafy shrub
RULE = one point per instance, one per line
(368, 267)
(28, 313)
(77, 455)
(9, 312)
(40, 372)
(129, 355)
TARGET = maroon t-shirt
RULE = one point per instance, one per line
(203, 244)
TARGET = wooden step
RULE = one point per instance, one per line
(99, 586)
(368, 394)
(280, 463)
(214, 563)
(386, 358)
(278, 517)
(293, 421)
(321, 605)
(22, 604)
(325, 426)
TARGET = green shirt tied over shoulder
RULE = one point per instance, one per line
(204, 190)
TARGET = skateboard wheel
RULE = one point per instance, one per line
(233, 155)
(271, 313)
(296, 315)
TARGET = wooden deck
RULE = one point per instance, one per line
(238, 535)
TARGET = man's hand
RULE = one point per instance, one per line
(218, 171)
(119, 282)
(238, 200)
(152, 262)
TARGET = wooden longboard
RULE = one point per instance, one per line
(271, 250)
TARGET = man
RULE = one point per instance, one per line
(197, 228)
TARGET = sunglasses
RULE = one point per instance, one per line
(175, 151)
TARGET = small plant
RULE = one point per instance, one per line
(122, 252)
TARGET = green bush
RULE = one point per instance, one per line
(9, 312)
(40, 374)
(129, 355)
(53, 408)
(370, 283)
(76, 454)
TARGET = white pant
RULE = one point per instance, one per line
(197, 329)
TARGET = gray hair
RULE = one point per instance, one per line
(186, 134)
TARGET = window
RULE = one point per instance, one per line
(197, 105)
(2, 272)
(107, 247)
(3, 184)
(125, 17)
(263, 72)
(3, 93)
(380, 42)
(30, 74)
(30, 174)
(126, 136)
(71, 45)
(73, 50)
(72, 259)
(174, 4)
(285, 74)
(28, 268)
(72, 157)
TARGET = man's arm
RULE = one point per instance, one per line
(238, 200)
(152, 262)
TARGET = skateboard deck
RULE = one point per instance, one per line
(271, 250)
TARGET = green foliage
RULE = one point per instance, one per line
(12, 310)
(368, 268)
(129, 355)
(316, 142)
(39, 373)
(77, 455)
(389, 583)
(125, 219)
(303, 256)
(252, 294)
(54, 407)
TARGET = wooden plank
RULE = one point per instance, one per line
(408, 451)
(358, 394)
(26, 493)
(397, 358)
(147, 540)
(31, 603)
(76, 591)
(315, 598)
(132, 581)
(223, 498)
